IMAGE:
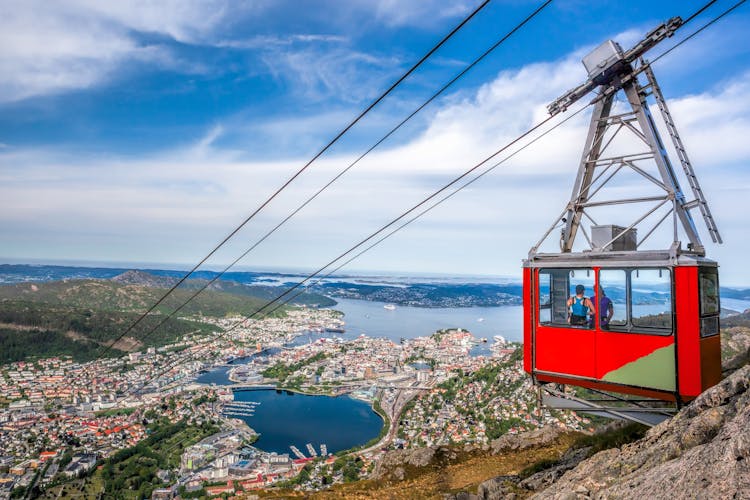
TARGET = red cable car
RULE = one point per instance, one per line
(610, 315)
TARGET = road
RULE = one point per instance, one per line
(393, 409)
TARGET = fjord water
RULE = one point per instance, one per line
(372, 319)
(284, 419)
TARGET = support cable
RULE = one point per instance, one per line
(694, 33)
(296, 174)
(344, 171)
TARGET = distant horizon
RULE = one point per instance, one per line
(291, 271)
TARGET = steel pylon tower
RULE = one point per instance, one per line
(612, 70)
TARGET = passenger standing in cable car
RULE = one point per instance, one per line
(606, 309)
(579, 308)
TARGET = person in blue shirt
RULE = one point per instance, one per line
(579, 308)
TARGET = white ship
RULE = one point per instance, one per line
(390, 307)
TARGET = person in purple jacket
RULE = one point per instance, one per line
(606, 309)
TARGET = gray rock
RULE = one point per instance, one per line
(391, 466)
(498, 487)
(545, 478)
(703, 452)
(532, 439)
(735, 340)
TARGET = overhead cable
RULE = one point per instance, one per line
(294, 176)
(349, 167)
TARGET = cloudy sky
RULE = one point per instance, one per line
(144, 131)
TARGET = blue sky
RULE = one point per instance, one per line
(144, 131)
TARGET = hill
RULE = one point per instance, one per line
(78, 317)
(112, 295)
(263, 292)
(29, 330)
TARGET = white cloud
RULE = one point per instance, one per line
(399, 13)
(51, 47)
(276, 41)
(169, 206)
(349, 75)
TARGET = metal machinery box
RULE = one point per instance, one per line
(602, 58)
(602, 235)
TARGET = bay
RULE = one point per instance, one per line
(285, 418)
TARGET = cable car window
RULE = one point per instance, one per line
(581, 298)
(708, 287)
(545, 300)
(651, 298)
(553, 295)
(560, 304)
(709, 291)
(613, 299)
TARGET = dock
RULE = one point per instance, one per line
(311, 450)
(240, 408)
(296, 451)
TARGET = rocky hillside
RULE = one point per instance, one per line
(703, 452)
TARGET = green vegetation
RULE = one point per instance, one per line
(131, 473)
(349, 467)
(613, 438)
(31, 329)
(103, 295)
(280, 371)
(115, 412)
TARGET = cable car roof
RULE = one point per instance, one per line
(640, 258)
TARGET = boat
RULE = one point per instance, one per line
(480, 320)
(390, 307)
(499, 339)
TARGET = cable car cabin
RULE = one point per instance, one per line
(611, 315)
(650, 327)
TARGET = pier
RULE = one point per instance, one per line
(240, 408)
